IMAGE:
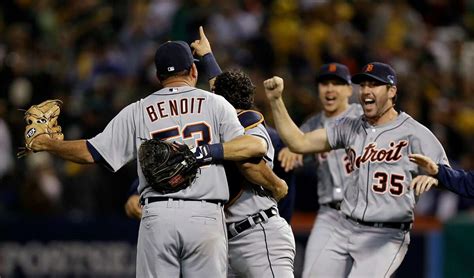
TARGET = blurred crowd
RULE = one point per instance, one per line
(97, 56)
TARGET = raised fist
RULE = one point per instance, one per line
(273, 87)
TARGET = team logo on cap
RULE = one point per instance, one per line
(391, 78)
(170, 68)
(332, 67)
(369, 68)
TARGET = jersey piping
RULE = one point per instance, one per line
(396, 254)
(358, 189)
(368, 167)
(172, 93)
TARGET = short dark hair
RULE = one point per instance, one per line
(236, 87)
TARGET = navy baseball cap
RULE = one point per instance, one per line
(173, 56)
(334, 70)
(376, 71)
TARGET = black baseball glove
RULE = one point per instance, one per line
(167, 167)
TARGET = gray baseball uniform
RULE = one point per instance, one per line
(181, 233)
(377, 210)
(333, 169)
(261, 243)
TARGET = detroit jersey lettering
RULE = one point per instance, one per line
(373, 154)
(378, 190)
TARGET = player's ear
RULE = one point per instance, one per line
(193, 72)
(392, 91)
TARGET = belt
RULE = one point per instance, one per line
(162, 199)
(405, 226)
(236, 228)
(334, 205)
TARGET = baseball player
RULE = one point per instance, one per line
(182, 234)
(334, 86)
(371, 236)
(257, 173)
(251, 212)
(261, 243)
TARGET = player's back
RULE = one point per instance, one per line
(194, 117)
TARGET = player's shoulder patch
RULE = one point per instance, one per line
(250, 118)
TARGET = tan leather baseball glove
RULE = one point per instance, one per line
(41, 119)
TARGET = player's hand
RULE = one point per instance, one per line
(425, 163)
(280, 190)
(423, 183)
(289, 160)
(39, 143)
(273, 87)
(133, 207)
(202, 46)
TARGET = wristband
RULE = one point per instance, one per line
(217, 152)
(211, 67)
(207, 154)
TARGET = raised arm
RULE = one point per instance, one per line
(202, 48)
(294, 138)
